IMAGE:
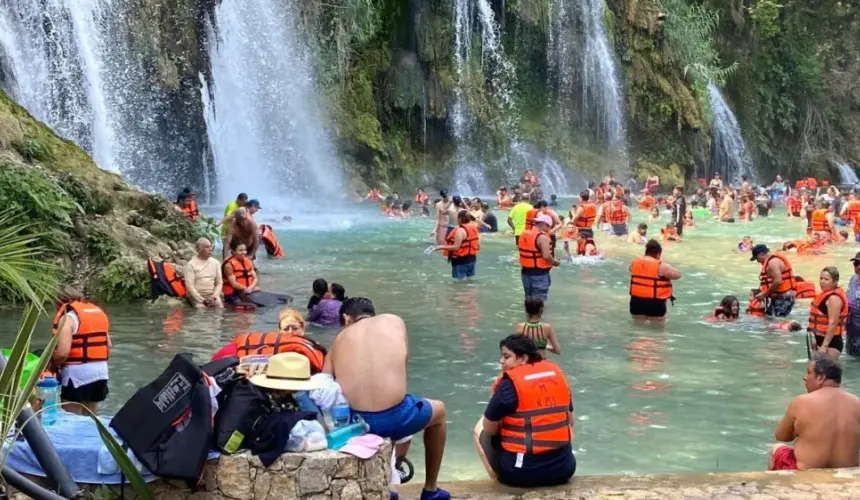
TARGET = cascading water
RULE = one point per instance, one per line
(729, 155)
(582, 63)
(552, 175)
(471, 17)
(469, 180)
(54, 56)
(263, 121)
(847, 174)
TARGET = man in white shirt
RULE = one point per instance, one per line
(203, 280)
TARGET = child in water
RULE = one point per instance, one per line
(654, 216)
(745, 245)
(688, 219)
(320, 289)
(568, 232)
(640, 236)
(670, 233)
(728, 309)
(541, 333)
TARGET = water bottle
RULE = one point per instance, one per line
(340, 411)
(337, 438)
(48, 392)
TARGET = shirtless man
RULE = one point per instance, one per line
(443, 207)
(368, 360)
(242, 227)
(824, 424)
(727, 208)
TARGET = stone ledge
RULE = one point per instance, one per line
(807, 485)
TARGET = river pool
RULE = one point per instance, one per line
(688, 397)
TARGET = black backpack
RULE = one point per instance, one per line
(168, 423)
(242, 406)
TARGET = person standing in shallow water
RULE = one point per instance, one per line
(440, 228)
(462, 247)
(536, 258)
(776, 281)
(828, 314)
(651, 284)
(824, 423)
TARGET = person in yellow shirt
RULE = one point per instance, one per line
(517, 218)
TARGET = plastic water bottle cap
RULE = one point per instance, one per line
(48, 382)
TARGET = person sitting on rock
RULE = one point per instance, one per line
(203, 279)
(824, 423)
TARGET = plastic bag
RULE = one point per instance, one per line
(307, 435)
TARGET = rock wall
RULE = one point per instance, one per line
(300, 476)
(92, 223)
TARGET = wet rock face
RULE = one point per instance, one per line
(305, 476)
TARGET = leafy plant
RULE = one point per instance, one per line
(123, 281)
(25, 274)
(101, 246)
(34, 150)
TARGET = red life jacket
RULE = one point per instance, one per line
(248, 344)
(190, 211)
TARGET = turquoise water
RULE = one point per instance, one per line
(690, 396)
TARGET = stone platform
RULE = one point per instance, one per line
(842, 484)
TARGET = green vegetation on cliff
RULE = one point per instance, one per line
(95, 226)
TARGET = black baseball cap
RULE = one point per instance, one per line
(758, 250)
(856, 257)
(443, 193)
(254, 203)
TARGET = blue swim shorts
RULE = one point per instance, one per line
(409, 417)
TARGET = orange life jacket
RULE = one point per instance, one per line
(645, 280)
(190, 211)
(420, 198)
(589, 213)
(470, 245)
(646, 202)
(241, 267)
(794, 205)
(90, 341)
(825, 182)
(852, 210)
(541, 422)
(819, 220)
(669, 233)
(800, 184)
(756, 308)
(530, 217)
(818, 319)
(617, 215)
(619, 192)
(248, 344)
(582, 245)
(530, 255)
(273, 247)
(811, 183)
(788, 282)
(804, 289)
(164, 272)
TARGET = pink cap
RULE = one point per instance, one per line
(546, 219)
(362, 447)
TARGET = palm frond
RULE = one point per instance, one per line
(24, 269)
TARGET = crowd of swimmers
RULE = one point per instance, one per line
(524, 436)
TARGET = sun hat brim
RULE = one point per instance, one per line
(285, 384)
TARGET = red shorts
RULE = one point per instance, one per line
(784, 459)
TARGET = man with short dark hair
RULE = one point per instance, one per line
(776, 279)
(679, 209)
(651, 284)
(824, 423)
(462, 247)
(368, 360)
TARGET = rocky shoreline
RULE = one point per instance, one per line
(95, 226)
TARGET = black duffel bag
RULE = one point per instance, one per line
(168, 423)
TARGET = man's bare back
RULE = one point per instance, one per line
(827, 427)
(368, 359)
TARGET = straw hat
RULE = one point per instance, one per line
(287, 371)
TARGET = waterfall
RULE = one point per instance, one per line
(582, 63)
(497, 75)
(552, 175)
(469, 180)
(729, 155)
(848, 175)
(263, 120)
(54, 54)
